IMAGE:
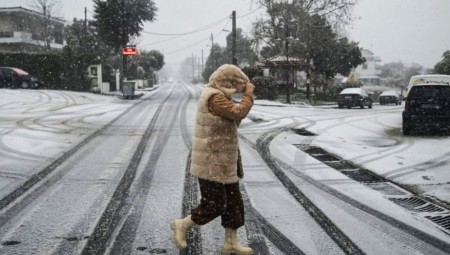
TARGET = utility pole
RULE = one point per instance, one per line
(202, 63)
(85, 20)
(233, 44)
(84, 38)
(124, 37)
(308, 59)
(46, 28)
(198, 69)
(193, 65)
(212, 51)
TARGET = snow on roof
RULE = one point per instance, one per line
(283, 60)
(389, 93)
(353, 91)
(369, 77)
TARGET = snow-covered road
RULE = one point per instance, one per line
(92, 174)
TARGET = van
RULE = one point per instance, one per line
(427, 108)
(427, 78)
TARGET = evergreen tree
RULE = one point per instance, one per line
(118, 21)
(244, 53)
(443, 66)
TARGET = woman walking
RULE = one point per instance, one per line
(215, 153)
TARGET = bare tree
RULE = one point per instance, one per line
(50, 9)
(305, 29)
(337, 12)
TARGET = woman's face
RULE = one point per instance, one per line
(239, 86)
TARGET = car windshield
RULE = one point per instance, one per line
(430, 91)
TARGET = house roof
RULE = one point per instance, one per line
(283, 60)
(369, 77)
(21, 9)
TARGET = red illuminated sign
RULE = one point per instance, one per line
(129, 50)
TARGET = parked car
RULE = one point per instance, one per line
(390, 97)
(427, 106)
(351, 97)
(12, 77)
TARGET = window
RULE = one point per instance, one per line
(430, 91)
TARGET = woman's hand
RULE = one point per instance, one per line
(249, 88)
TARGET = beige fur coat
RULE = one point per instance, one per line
(215, 144)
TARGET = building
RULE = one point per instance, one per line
(369, 73)
(23, 30)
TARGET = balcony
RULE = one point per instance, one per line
(25, 38)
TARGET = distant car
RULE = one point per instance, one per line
(351, 97)
(390, 97)
(427, 107)
(12, 77)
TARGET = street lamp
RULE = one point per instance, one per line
(308, 76)
(287, 39)
(287, 34)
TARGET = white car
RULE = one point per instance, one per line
(351, 97)
(390, 97)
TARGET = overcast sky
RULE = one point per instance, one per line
(395, 30)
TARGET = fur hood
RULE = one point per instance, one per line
(226, 77)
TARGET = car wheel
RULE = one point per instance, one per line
(370, 106)
(406, 130)
(340, 106)
(349, 106)
(362, 105)
(24, 85)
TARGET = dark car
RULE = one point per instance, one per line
(11, 77)
(390, 97)
(351, 97)
(427, 108)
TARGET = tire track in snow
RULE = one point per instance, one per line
(12, 199)
(190, 198)
(277, 166)
(191, 191)
(118, 205)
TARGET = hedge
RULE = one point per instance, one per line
(58, 70)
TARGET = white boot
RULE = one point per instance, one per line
(180, 227)
(232, 245)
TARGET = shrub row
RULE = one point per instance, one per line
(58, 70)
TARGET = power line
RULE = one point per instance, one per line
(158, 42)
(187, 47)
(175, 37)
(203, 28)
(244, 15)
(194, 44)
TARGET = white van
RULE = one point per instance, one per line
(426, 78)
